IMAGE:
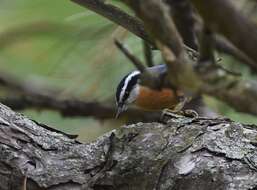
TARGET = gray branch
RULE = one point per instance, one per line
(184, 153)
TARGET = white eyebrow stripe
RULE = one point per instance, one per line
(123, 90)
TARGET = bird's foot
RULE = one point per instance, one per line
(169, 113)
(190, 113)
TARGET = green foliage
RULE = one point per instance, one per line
(63, 45)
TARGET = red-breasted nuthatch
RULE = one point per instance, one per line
(131, 91)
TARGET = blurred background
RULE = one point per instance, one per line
(64, 46)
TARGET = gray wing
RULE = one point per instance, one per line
(158, 69)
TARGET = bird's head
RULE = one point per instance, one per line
(127, 91)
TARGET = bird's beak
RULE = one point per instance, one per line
(119, 111)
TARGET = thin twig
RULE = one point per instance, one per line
(207, 44)
(222, 45)
(70, 107)
(152, 80)
(206, 47)
(148, 54)
(224, 18)
(138, 64)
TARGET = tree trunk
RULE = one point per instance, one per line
(182, 153)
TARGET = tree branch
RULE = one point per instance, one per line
(185, 20)
(224, 18)
(148, 54)
(20, 95)
(177, 155)
(71, 107)
(224, 46)
(184, 17)
(30, 95)
(135, 26)
(215, 82)
(117, 16)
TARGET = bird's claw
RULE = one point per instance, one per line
(190, 113)
(168, 113)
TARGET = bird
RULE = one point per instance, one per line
(131, 91)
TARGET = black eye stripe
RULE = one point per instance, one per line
(130, 86)
(119, 88)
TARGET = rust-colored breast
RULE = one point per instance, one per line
(150, 99)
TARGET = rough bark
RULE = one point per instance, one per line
(182, 153)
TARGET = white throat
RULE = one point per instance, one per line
(133, 94)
